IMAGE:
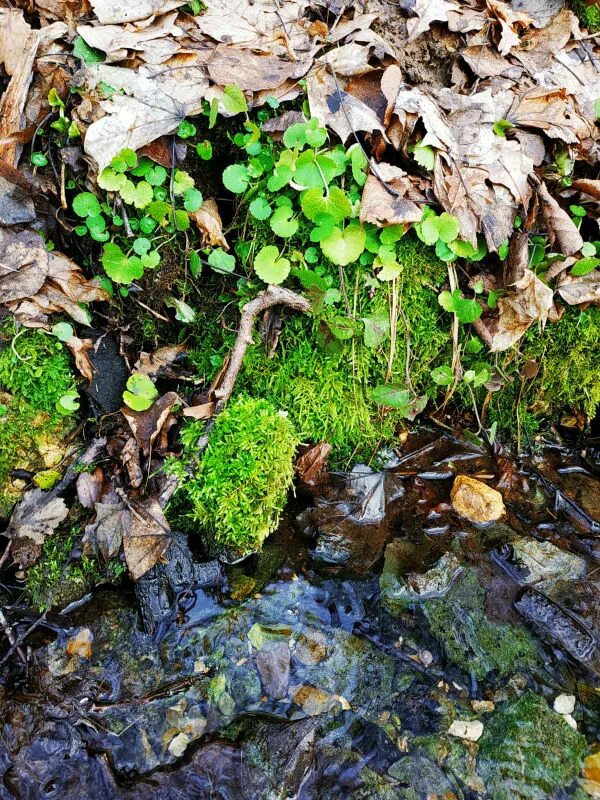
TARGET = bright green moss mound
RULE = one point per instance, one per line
(35, 367)
(471, 641)
(589, 15)
(325, 385)
(239, 488)
(528, 751)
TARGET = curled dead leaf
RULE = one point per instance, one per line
(208, 221)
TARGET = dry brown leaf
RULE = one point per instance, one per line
(23, 264)
(349, 59)
(208, 221)
(146, 426)
(428, 11)
(147, 537)
(116, 41)
(80, 348)
(251, 71)
(89, 487)
(14, 35)
(130, 456)
(202, 411)
(475, 500)
(560, 226)
(386, 198)
(158, 364)
(311, 466)
(529, 302)
(117, 11)
(551, 111)
(512, 23)
(153, 103)
(586, 289)
(36, 517)
(337, 109)
(479, 177)
(105, 536)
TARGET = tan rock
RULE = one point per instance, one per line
(475, 500)
(466, 729)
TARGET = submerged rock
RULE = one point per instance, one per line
(544, 564)
(470, 639)
(528, 752)
(398, 592)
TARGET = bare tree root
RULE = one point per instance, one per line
(272, 296)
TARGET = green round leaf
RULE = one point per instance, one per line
(443, 376)
(465, 310)
(63, 331)
(235, 178)
(86, 204)
(39, 159)
(68, 403)
(260, 208)
(270, 267)
(344, 247)
(186, 129)
(448, 227)
(336, 204)
(141, 392)
(204, 150)
(282, 224)
(192, 200)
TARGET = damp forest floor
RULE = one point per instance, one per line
(299, 400)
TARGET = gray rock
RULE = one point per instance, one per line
(273, 664)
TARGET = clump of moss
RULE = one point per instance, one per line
(35, 367)
(529, 751)
(588, 13)
(55, 580)
(568, 357)
(325, 386)
(458, 620)
(238, 489)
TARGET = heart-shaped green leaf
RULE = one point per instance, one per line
(141, 392)
(260, 208)
(270, 266)
(342, 247)
(236, 178)
(465, 310)
(336, 204)
(118, 267)
(282, 224)
(86, 204)
(192, 200)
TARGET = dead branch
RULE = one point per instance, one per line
(272, 296)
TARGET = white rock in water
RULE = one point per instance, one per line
(466, 729)
(564, 704)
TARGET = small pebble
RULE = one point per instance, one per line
(425, 658)
(570, 721)
(466, 729)
(482, 706)
(564, 704)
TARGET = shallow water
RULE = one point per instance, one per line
(334, 664)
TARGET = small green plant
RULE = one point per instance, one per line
(35, 367)
(238, 489)
(140, 393)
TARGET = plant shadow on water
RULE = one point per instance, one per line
(379, 647)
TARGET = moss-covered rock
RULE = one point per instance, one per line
(239, 487)
(471, 641)
(528, 751)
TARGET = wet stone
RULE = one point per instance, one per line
(273, 663)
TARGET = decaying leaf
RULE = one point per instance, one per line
(311, 466)
(80, 348)
(428, 11)
(561, 228)
(130, 456)
(147, 537)
(150, 427)
(389, 198)
(35, 518)
(475, 500)
(202, 411)
(116, 11)
(159, 363)
(105, 536)
(529, 301)
(585, 289)
(209, 224)
(89, 487)
(23, 264)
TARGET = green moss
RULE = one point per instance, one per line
(55, 580)
(23, 432)
(325, 386)
(528, 751)
(568, 356)
(588, 13)
(239, 488)
(470, 640)
(35, 367)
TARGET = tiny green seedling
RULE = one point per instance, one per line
(140, 393)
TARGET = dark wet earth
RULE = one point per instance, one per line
(379, 647)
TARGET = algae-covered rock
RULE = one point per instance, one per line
(398, 592)
(470, 639)
(528, 751)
